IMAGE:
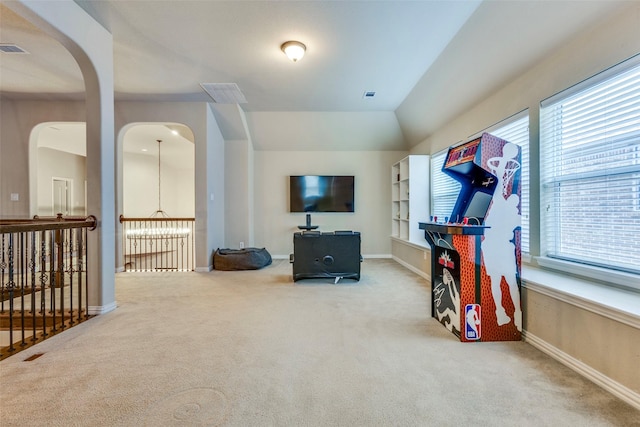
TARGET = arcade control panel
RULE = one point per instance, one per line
(447, 227)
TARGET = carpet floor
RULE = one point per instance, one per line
(253, 348)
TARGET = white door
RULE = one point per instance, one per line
(61, 196)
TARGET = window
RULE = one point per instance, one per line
(445, 189)
(590, 171)
(516, 131)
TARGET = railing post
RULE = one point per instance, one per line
(32, 267)
(43, 280)
(10, 288)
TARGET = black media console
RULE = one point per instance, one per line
(333, 255)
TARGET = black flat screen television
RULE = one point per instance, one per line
(321, 193)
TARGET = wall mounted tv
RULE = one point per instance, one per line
(321, 193)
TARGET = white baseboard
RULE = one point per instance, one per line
(101, 309)
(203, 269)
(613, 387)
(119, 269)
(412, 268)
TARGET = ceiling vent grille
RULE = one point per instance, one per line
(224, 93)
(11, 48)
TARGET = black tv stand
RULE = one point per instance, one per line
(308, 226)
(334, 255)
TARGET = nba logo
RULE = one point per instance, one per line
(472, 321)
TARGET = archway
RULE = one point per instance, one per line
(158, 187)
(57, 172)
(158, 170)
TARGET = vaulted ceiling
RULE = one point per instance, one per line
(426, 61)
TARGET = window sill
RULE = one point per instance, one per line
(614, 303)
(414, 244)
(607, 276)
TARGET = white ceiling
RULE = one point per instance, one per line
(165, 49)
(420, 57)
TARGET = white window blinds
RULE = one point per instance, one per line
(516, 131)
(590, 171)
(445, 189)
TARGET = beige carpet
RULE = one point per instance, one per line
(252, 348)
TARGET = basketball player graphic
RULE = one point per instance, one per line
(473, 321)
(498, 248)
(453, 313)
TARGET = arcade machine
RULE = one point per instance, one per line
(475, 253)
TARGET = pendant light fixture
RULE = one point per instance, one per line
(159, 212)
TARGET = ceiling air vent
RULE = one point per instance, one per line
(224, 93)
(11, 48)
(369, 94)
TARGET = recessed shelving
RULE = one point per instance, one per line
(409, 197)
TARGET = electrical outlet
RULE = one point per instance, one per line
(241, 245)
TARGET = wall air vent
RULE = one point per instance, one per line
(369, 94)
(224, 93)
(11, 48)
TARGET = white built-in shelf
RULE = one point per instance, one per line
(409, 198)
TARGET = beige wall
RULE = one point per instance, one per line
(413, 257)
(275, 225)
(18, 119)
(610, 347)
(331, 130)
(589, 52)
(239, 201)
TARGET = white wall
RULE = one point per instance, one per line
(238, 195)
(210, 190)
(140, 192)
(275, 225)
(59, 164)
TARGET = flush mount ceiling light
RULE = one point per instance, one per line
(294, 50)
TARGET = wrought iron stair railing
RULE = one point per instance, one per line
(158, 244)
(43, 279)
